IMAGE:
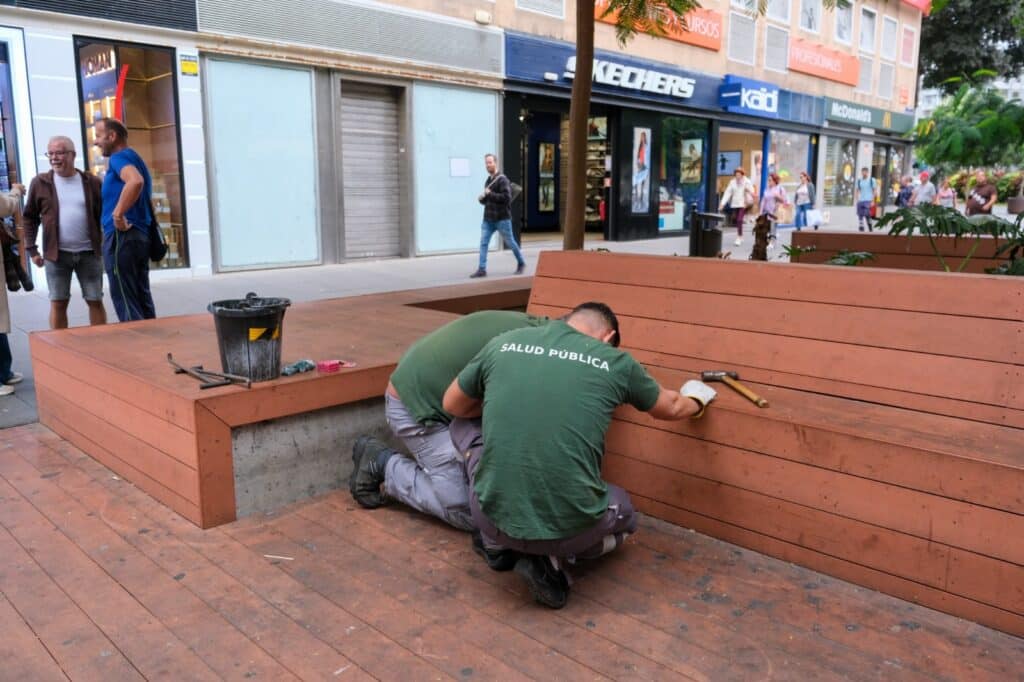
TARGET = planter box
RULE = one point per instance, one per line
(900, 253)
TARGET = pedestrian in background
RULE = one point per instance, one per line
(946, 196)
(738, 195)
(67, 204)
(925, 192)
(906, 191)
(983, 197)
(774, 198)
(804, 200)
(9, 205)
(497, 202)
(867, 188)
(127, 189)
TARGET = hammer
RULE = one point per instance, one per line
(731, 379)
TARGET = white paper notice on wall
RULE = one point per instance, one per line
(458, 167)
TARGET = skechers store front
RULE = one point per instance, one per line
(652, 143)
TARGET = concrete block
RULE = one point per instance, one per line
(285, 460)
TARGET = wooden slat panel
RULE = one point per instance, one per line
(59, 351)
(882, 243)
(987, 296)
(970, 380)
(853, 572)
(216, 469)
(983, 579)
(24, 655)
(980, 339)
(889, 261)
(990, 532)
(58, 415)
(109, 410)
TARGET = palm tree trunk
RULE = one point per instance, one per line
(579, 111)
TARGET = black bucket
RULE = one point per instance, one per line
(249, 333)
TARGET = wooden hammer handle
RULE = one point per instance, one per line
(744, 391)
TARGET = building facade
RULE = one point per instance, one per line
(321, 131)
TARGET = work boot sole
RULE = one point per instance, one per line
(547, 586)
(497, 560)
(364, 486)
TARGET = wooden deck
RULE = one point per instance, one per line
(901, 253)
(101, 582)
(110, 391)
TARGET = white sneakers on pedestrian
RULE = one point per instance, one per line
(6, 390)
(16, 378)
(738, 242)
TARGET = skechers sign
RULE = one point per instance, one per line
(745, 96)
(636, 78)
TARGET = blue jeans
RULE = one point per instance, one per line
(5, 360)
(487, 230)
(801, 215)
(126, 259)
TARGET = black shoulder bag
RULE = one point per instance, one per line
(157, 243)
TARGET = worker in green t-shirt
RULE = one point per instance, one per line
(433, 480)
(546, 396)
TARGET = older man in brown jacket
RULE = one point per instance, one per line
(67, 204)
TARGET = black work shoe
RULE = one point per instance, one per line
(497, 559)
(369, 460)
(548, 585)
(480, 272)
(521, 268)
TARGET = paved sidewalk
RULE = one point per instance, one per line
(29, 312)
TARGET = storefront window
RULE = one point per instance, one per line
(683, 172)
(136, 84)
(9, 171)
(840, 171)
(791, 153)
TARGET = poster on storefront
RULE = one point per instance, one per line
(546, 160)
(728, 162)
(546, 195)
(691, 161)
(641, 170)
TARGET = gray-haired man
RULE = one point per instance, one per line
(67, 203)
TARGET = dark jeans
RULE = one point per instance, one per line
(801, 215)
(608, 533)
(5, 360)
(126, 260)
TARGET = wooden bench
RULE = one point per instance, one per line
(900, 253)
(214, 455)
(892, 455)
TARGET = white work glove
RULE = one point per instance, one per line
(700, 392)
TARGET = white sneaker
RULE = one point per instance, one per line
(16, 378)
(738, 242)
(6, 390)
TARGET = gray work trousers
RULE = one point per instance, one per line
(433, 480)
(618, 522)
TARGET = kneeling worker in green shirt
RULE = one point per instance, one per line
(433, 479)
(546, 396)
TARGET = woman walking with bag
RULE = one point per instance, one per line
(774, 197)
(738, 196)
(804, 200)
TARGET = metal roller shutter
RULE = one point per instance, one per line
(369, 159)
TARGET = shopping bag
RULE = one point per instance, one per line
(814, 218)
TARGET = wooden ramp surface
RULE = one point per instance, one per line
(101, 582)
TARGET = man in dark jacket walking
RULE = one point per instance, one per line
(497, 200)
(67, 204)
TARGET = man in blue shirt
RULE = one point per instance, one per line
(866, 190)
(127, 188)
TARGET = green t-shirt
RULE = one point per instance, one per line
(429, 365)
(548, 395)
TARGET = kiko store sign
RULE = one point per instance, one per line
(536, 60)
(749, 97)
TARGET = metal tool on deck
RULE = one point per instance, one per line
(206, 378)
(731, 379)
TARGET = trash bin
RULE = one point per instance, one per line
(705, 235)
(249, 334)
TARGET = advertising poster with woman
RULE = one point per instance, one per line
(641, 170)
